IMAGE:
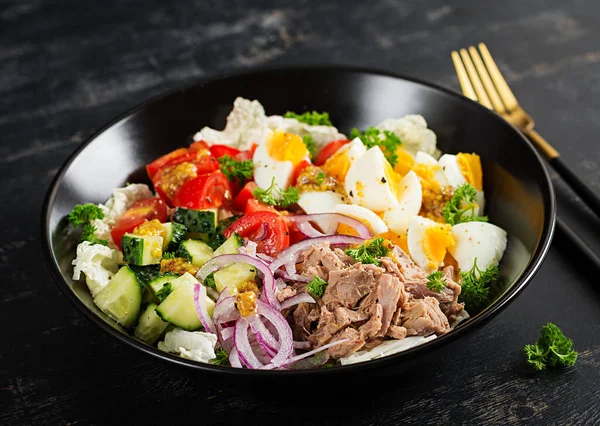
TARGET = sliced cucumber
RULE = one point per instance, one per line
(196, 251)
(142, 249)
(121, 299)
(175, 232)
(158, 282)
(231, 245)
(178, 308)
(203, 221)
(151, 326)
(234, 275)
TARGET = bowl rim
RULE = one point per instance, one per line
(474, 322)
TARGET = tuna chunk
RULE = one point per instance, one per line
(320, 261)
(422, 317)
(346, 287)
(407, 267)
(346, 348)
(373, 325)
(389, 291)
(397, 332)
(332, 322)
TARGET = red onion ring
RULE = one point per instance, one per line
(307, 354)
(286, 339)
(234, 359)
(201, 310)
(290, 255)
(242, 344)
(263, 233)
(219, 262)
(265, 339)
(324, 220)
(298, 298)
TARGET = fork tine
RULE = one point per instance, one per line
(475, 80)
(503, 90)
(487, 82)
(463, 78)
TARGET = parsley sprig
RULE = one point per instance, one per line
(552, 349)
(240, 170)
(310, 145)
(461, 207)
(83, 214)
(475, 286)
(370, 252)
(285, 198)
(316, 287)
(435, 281)
(386, 140)
(221, 357)
(313, 118)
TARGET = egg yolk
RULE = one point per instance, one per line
(348, 230)
(338, 165)
(405, 162)
(287, 147)
(436, 241)
(397, 239)
(426, 174)
(391, 178)
(470, 167)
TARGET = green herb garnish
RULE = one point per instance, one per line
(369, 252)
(221, 357)
(87, 234)
(164, 291)
(286, 197)
(240, 170)
(316, 287)
(209, 281)
(310, 145)
(320, 178)
(461, 207)
(84, 213)
(385, 139)
(552, 349)
(313, 118)
(475, 290)
(435, 281)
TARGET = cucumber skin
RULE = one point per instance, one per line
(177, 234)
(203, 221)
(137, 253)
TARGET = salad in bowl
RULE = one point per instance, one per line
(281, 243)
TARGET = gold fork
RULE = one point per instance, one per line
(481, 80)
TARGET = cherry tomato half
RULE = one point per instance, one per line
(247, 193)
(198, 146)
(157, 164)
(204, 161)
(209, 190)
(138, 213)
(328, 150)
(248, 154)
(251, 226)
(299, 168)
(222, 150)
(254, 205)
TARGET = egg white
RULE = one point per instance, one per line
(374, 222)
(410, 197)
(320, 201)
(478, 240)
(267, 168)
(416, 235)
(367, 183)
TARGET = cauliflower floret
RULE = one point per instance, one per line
(99, 263)
(194, 345)
(413, 132)
(321, 135)
(116, 205)
(245, 124)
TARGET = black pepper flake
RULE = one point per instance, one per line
(351, 194)
(383, 180)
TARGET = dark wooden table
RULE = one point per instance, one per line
(67, 67)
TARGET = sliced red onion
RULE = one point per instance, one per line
(201, 311)
(227, 333)
(263, 233)
(265, 339)
(265, 257)
(301, 345)
(284, 331)
(234, 358)
(290, 255)
(291, 277)
(224, 317)
(296, 299)
(326, 222)
(307, 354)
(242, 344)
(268, 279)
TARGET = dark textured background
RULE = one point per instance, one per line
(67, 67)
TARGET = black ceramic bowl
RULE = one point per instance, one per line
(519, 194)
